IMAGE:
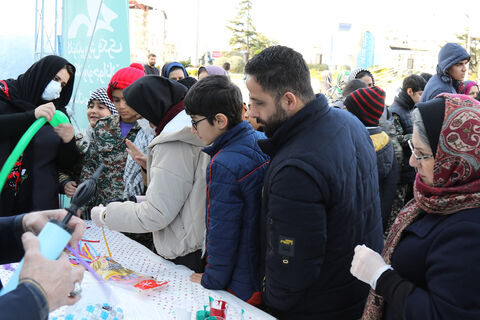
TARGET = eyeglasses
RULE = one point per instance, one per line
(195, 123)
(419, 158)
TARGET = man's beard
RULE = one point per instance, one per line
(151, 64)
(274, 122)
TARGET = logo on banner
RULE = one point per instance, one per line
(104, 20)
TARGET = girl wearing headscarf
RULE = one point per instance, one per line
(176, 166)
(362, 74)
(174, 71)
(99, 106)
(429, 266)
(33, 183)
(469, 88)
(210, 70)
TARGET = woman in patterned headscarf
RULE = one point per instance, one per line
(429, 268)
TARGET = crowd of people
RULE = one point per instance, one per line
(303, 209)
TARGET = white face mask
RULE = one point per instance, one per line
(52, 91)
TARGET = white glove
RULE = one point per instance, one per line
(97, 215)
(368, 265)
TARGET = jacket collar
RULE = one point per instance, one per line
(374, 130)
(295, 124)
(424, 224)
(404, 100)
(183, 135)
(240, 130)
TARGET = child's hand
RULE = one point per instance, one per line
(70, 188)
(196, 277)
(136, 154)
(65, 131)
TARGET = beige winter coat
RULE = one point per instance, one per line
(175, 208)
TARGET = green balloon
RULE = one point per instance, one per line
(58, 117)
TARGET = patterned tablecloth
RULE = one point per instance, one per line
(179, 299)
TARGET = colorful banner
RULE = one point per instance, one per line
(102, 27)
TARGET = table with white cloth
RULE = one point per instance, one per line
(179, 299)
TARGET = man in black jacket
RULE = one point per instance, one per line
(403, 104)
(150, 66)
(320, 195)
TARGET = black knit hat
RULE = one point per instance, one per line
(433, 113)
(367, 104)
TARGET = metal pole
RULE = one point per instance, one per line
(42, 28)
(64, 26)
(198, 34)
(36, 31)
(468, 42)
(55, 32)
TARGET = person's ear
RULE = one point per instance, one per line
(410, 91)
(221, 121)
(290, 101)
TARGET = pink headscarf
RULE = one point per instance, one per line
(466, 86)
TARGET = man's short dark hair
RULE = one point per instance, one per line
(353, 85)
(215, 94)
(415, 82)
(151, 55)
(226, 66)
(280, 69)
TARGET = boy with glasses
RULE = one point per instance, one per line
(234, 182)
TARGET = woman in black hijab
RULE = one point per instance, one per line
(33, 183)
(174, 206)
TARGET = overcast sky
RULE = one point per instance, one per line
(308, 23)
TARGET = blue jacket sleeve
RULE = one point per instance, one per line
(224, 220)
(11, 230)
(453, 277)
(296, 217)
(27, 302)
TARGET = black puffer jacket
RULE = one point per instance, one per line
(320, 199)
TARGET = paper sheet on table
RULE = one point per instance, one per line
(133, 305)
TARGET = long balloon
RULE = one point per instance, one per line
(58, 117)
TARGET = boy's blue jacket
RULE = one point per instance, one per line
(234, 184)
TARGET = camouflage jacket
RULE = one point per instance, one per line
(108, 147)
(82, 141)
(402, 138)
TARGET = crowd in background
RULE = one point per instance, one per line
(306, 209)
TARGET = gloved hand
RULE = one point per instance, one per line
(367, 265)
(97, 215)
